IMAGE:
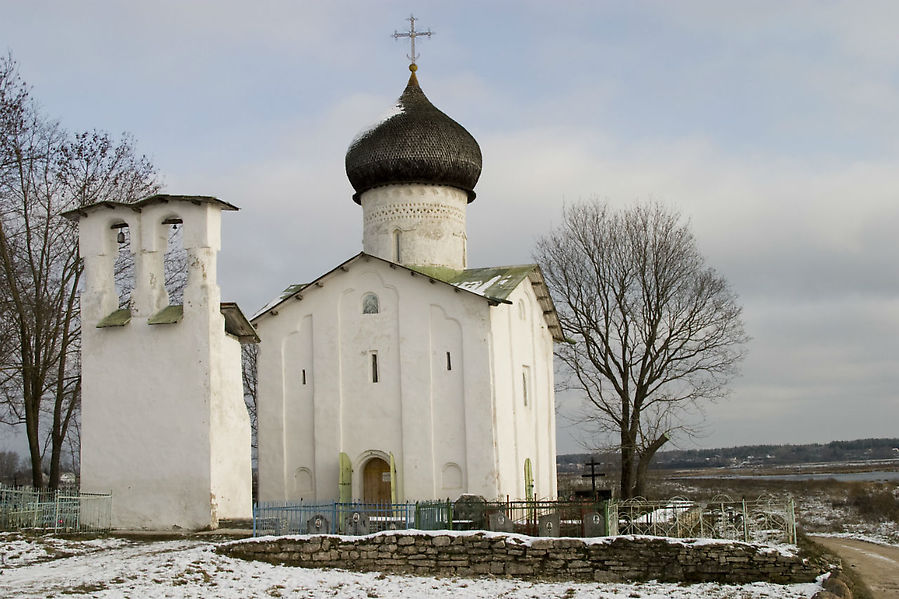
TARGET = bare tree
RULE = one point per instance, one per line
(45, 171)
(249, 355)
(653, 330)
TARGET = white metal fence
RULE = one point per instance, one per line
(57, 511)
(766, 519)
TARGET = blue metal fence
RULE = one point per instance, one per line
(282, 518)
(332, 518)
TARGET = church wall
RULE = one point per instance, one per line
(436, 423)
(230, 429)
(448, 403)
(270, 414)
(299, 434)
(299, 411)
(523, 367)
(425, 223)
(370, 344)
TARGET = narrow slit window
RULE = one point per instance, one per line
(374, 367)
(525, 376)
(449, 361)
(304, 376)
(396, 245)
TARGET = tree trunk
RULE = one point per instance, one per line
(627, 465)
(34, 448)
(643, 463)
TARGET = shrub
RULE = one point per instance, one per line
(875, 502)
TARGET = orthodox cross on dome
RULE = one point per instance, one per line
(412, 34)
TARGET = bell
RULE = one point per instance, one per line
(120, 237)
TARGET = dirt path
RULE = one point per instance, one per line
(878, 565)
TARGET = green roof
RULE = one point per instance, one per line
(119, 318)
(495, 282)
(168, 315)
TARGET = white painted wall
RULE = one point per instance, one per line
(164, 427)
(417, 411)
(429, 219)
(522, 343)
(450, 431)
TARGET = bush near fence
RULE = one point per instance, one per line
(23, 508)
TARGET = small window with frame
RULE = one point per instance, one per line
(375, 374)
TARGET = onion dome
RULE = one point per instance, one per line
(414, 143)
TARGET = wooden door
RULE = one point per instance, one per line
(376, 481)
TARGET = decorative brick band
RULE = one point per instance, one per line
(605, 559)
(416, 211)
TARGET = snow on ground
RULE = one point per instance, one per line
(820, 515)
(107, 568)
(19, 550)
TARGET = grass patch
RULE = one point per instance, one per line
(83, 589)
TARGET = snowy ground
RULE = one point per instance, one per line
(820, 515)
(111, 567)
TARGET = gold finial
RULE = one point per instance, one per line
(413, 67)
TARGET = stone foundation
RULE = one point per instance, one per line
(609, 559)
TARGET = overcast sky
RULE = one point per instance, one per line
(773, 127)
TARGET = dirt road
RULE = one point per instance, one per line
(878, 565)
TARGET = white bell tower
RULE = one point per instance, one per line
(164, 425)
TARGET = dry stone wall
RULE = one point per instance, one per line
(609, 559)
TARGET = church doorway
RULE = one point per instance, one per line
(376, 481)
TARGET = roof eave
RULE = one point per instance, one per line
(159, 198)
(273, 309)
(546, 304)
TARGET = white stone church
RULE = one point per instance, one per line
(400, 375)
(403, 374)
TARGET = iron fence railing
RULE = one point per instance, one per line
(766, 519)
(331, 518)
(762, 520)
(57, 511)
(568, 518)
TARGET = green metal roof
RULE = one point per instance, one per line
(494, 284)
(119, 318)
(168, 315)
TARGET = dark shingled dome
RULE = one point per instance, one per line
(416, 144)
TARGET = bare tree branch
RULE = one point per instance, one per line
(653, 330)
(45, 171)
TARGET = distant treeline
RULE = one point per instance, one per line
(752, 455)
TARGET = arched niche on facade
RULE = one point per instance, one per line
(451, 476)
(303, 483)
